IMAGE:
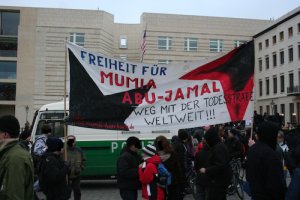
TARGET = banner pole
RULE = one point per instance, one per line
(65, 102)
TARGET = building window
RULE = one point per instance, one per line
(190, 44)
(274, 39)
(268, 109)
(164, 43)
(267, 86)
(275, 85)
(275, 110)
(260, 46)
(291, 80)
(8, 69)
(299, 50)
(281, 36)
(298, 27)
(164, 62)
(281, 83)
(292, 110)
(123, 42)
(261, 110)
(260, 64)
(291, 54)
(77, 38)
(216, 45)
(123, 57)
(267, 60)
(238, 43)
(290, 32)
(282, 109)
(8, 91)
(267, 43)
(9, 22)
(260, 88)
(274, 59)
(281, 55)
(8, 46)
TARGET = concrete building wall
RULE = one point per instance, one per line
(262, 73)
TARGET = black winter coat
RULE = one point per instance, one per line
(53, 177)
(202, 161)
(218, 168)
(235, 148)
(264, 173)
(127, 170)
(173, 166)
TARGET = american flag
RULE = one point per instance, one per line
(143, 44)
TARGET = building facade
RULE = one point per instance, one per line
(32, 47)
(277, 68)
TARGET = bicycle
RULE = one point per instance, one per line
(236, 185)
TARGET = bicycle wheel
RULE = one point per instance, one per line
(232, 187)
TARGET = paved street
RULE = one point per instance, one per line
(107, 190)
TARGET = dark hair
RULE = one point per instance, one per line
(133, 141)
(46, 129)
(163, 144)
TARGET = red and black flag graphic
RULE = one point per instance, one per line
(108, 93)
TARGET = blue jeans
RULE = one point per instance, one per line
(294, 187)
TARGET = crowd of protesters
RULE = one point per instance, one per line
(162, 170)
(28, 167)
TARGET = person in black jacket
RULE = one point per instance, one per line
(202, 161)
(264, 170)
(218, 169)
(53, 172)
(127, 169)
(170, 160)
(234, 145)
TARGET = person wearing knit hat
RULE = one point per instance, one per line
(16, 166)
(148, 172)
(53, 171)
(127, 169)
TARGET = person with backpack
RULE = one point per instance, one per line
(76, 159)
(53, 171)
(16, 167)
(127, 169)
(234, 145)
(148, 174)
(39, 146)
(171, 162)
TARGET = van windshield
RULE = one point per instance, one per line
(57, 127)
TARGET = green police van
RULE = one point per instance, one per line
(101, 147)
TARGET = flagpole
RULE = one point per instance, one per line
(65, 102)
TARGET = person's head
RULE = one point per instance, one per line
(9, 127)
(183, 135)
(232, 133)
(71, 140)
(198, 134)
(46, 129)
(280, 137)
(133, 144)
(267, 133)
(212, 137)
(148, 151)
(163, 144)
(54, 145)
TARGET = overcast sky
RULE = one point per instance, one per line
(129, 11)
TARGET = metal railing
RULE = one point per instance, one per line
(293, 90)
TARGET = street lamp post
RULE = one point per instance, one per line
(27, 109)
(272, 106)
